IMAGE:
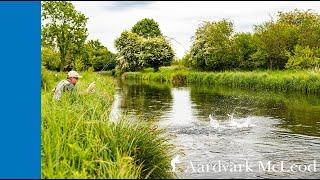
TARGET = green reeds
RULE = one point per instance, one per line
(303, 81)
(79, 141)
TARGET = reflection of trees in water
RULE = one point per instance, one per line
(145, 100)
(213, 103)
(300, 112)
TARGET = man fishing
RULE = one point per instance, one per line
(69, 85)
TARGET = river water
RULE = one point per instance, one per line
(222, 132)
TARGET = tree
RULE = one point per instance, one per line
(146, 28)
(98, 56)
(243, 47)
(103, 59)
(211, 47)
(128, 46)
(144, 46)
(215, 47)
(64, 28)
(156, 52)
(307, 24)
(276, 39)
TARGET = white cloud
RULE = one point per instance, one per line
(178, 19)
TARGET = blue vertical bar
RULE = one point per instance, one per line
(20, 45)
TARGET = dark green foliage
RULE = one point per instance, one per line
(307, 24)
(98, 56)
(64, 29)
(243, 48)
(216, 47)
(147, 28)
(275, 39)
(50, 58)
(303, 58)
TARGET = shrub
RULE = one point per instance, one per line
(303, 58)
(50, 58)
(258, 59)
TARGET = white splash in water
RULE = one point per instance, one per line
(231, 123)
(213, 122)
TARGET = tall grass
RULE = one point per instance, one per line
(79, 141)
(303, 81)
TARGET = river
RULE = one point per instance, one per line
(222, 132)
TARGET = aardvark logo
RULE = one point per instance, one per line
(174, 161)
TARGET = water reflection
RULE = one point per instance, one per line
(146, 101)
(181, 112)
(245, 125)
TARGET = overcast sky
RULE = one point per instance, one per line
(178, 19)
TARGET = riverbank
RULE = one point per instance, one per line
(79, 141)
(303, 81)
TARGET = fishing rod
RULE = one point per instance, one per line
(93, 84)
(104, 67)
(177, 42)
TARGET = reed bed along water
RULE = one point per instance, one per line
(304, 81)
(79, 140)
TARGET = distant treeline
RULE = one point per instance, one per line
(292, 41)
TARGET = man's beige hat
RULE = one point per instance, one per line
(74, 74)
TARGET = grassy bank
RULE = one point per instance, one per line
(303, 81)
(79, 141)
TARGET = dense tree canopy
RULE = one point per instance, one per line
(211, 48)
(243, 46)
(98, 56)
(147, 28)
(275, 39)
(144, 46)
(50, 58)
(64, 40)
(128, 46)
(156, 52)
(290, 41)
(270, 46)
(63, 28)
(303, 58)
